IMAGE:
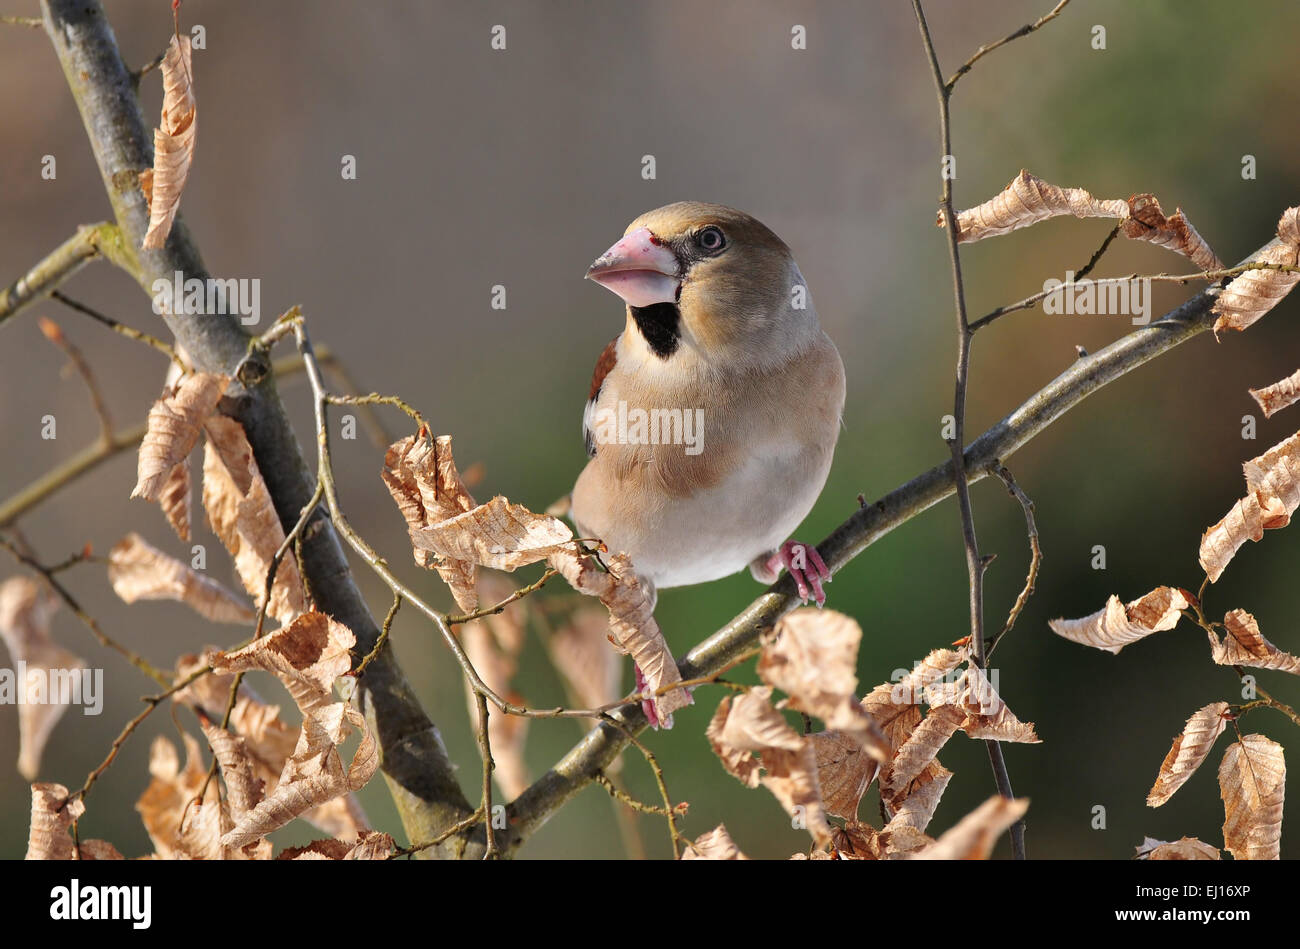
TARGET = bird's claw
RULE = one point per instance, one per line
(807, 568)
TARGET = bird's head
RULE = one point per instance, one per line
(710, 277)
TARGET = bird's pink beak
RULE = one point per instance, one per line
(639, 268)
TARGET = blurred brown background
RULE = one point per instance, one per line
(478, 168)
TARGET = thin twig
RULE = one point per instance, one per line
(32, 21)
(89, 242)
(459, 618)
(1210, 275)
(87, 620)
(974, 564)
(55, 335)
(985, 50)
(383, 637)
(116, 326)
(671, 812)
(485, 749)
(1035, 555)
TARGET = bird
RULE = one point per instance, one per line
(712, 419)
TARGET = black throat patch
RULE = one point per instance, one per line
(660, 324)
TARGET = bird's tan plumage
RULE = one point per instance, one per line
(770, 385)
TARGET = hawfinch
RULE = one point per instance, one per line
(713, 416)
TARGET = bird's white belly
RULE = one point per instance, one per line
(717, 531)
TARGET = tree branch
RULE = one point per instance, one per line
(90, 241)
(415, 762)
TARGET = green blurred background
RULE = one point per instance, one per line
(478, 168)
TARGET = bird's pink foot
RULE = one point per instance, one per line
(647, 705)
(804, 564)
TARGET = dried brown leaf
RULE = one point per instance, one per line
(1146, 222)
(1252, 783)
(307, 656)
(751, 725)
(1253, 293)
(371, 845)
(497, 534)
(1245, 645)
(241, 514)
(48, 837)
(632, 625)
(243, 789)
(314, 774)
(811, 656)
(139, 571)
(1188, 751)
(715, 845)
(1185, 848)
(421, 476)
(174, 425)
(1273, 494)
(844, 771)
(48, 675)
(1273, 399)
(173, 142)
(268, 741)
(1027, 200)
(974, 836)
(493, 645)
(580, 651)
(917, 809)
(921, 748)
(1117, 625)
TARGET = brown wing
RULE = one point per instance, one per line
(603, 366)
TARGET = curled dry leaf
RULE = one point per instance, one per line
(921, 748)
(580, 651)
(162, 468)
(241, 514)
(498, 534)
(48, 837)
(1254, 292)
(139, 571)
(372, 845)
(181, 827)
(987, 715)
(811, 656)
(45, 677)
(173, 143)
(1188, 751)
(1252, 783)
(844, 771)
(1273, 493)
(1117, 625)
(632, 625)
(1185, 848)
(493, 645)
(1029, 199)
(421, 476)
(1273, 399)
(751, 725)
(974, 835)
(244, 790)
(917, 809)
(715, 845)
(307, 656)
(314, 774)
(1245, 645)
(268, 741)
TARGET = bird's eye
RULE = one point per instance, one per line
(711, 239)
